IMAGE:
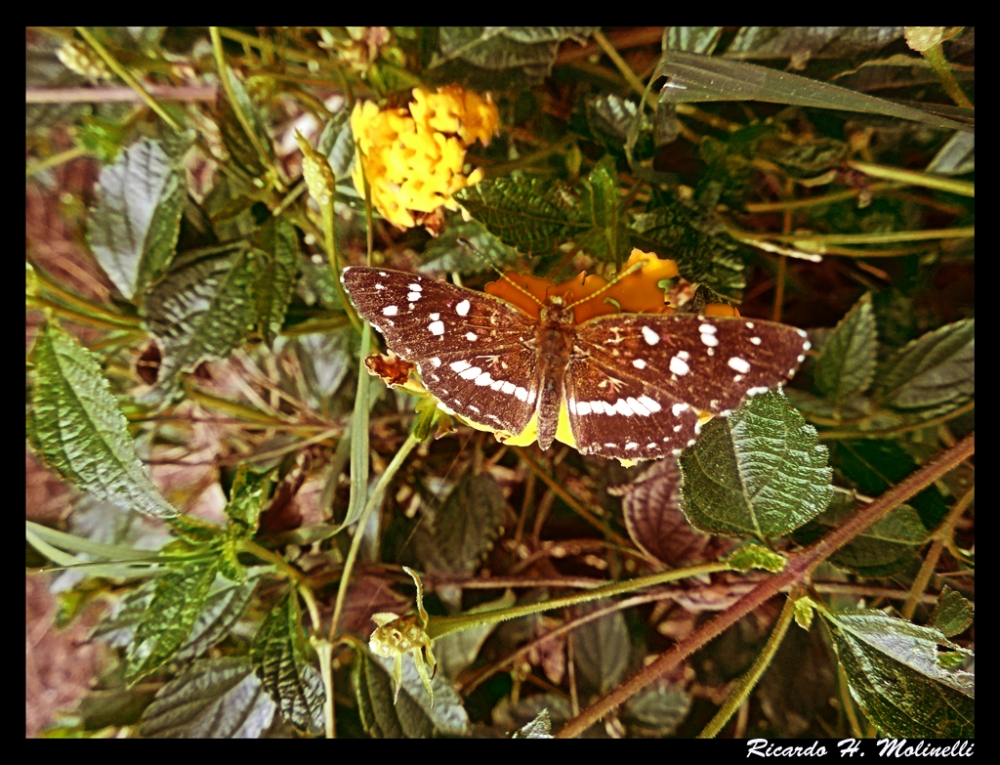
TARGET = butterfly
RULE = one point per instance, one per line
(631, 386)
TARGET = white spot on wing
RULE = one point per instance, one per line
(639, 363)
(436, 327)
(390, 310)
(755, 340)
(416, 287)
(413, 297)
(740, 365)
(755, 391)
(583, 408)
(483, 379)
(435, 316)
(471, 373)
(508, 388)
(650, 404)
(520, 393)
(707, 329)
(471, 336)
(462, 309)
(679, 408)
(622, 407)
(460, 366)
(678, 366)
(650, 336)
(435, 362)
(638, 408)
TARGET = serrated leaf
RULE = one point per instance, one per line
(875, 465)
(178, 598)
(507, 47)
(223, 608)
(608, 238)
(220, 698)
(936, 370)
(337, 143)
(884, 548)
(846, 363)
(240, 147)
(277, 654)
(464, 528)
(202, 309)
(953, 613)
(610, 117)
(445, 253)
(533, 215)
(540, 727)
(79, 431)
(380, 717)
(759, 472)
(246, 500)
(134, 226)
(894, 674)
(653, 517)
(446, 715)
(681, 230)
(278, 240)
(601, 647)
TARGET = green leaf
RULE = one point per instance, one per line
(178, 598)
(894, 674)
(752, 556)
(759, 472)
(602, 651)
(220, 698)
(953, 613)
(202, 309)
(278, 241)
(936, 370)
(133, 228)
(446, 254)
(608, 238)
(446, 715)
(694, 78)
(681, 230)
(534, 215)
(875, 466)
(80, 432)
(454, 538)
(657, 710)
(846, 363)
(222, 609)
(277, 654)
(246, 500)
(507, 47)
(380, 717)
(884, 548)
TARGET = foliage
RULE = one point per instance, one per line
(252, 503)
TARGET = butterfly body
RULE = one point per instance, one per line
(632, 386)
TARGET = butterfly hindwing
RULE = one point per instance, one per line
(636, 380)
(474, 352)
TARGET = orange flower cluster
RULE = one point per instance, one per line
(637, 290)
(414, 158)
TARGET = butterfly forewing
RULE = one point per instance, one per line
(635, 380)
(474, 352)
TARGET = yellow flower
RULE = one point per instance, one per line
(414, 158)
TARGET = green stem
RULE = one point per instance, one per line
(939, 63)
(227, 86)
(915, 178)
(439, 626)
(131, 81)
(79, 317)
(359, 532)
(798, 570)
(741, 691)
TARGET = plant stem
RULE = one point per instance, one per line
(798, 570)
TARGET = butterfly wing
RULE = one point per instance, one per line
(475, 352)
(635, 381)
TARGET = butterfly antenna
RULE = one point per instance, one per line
(468, 245)
(637, 266)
